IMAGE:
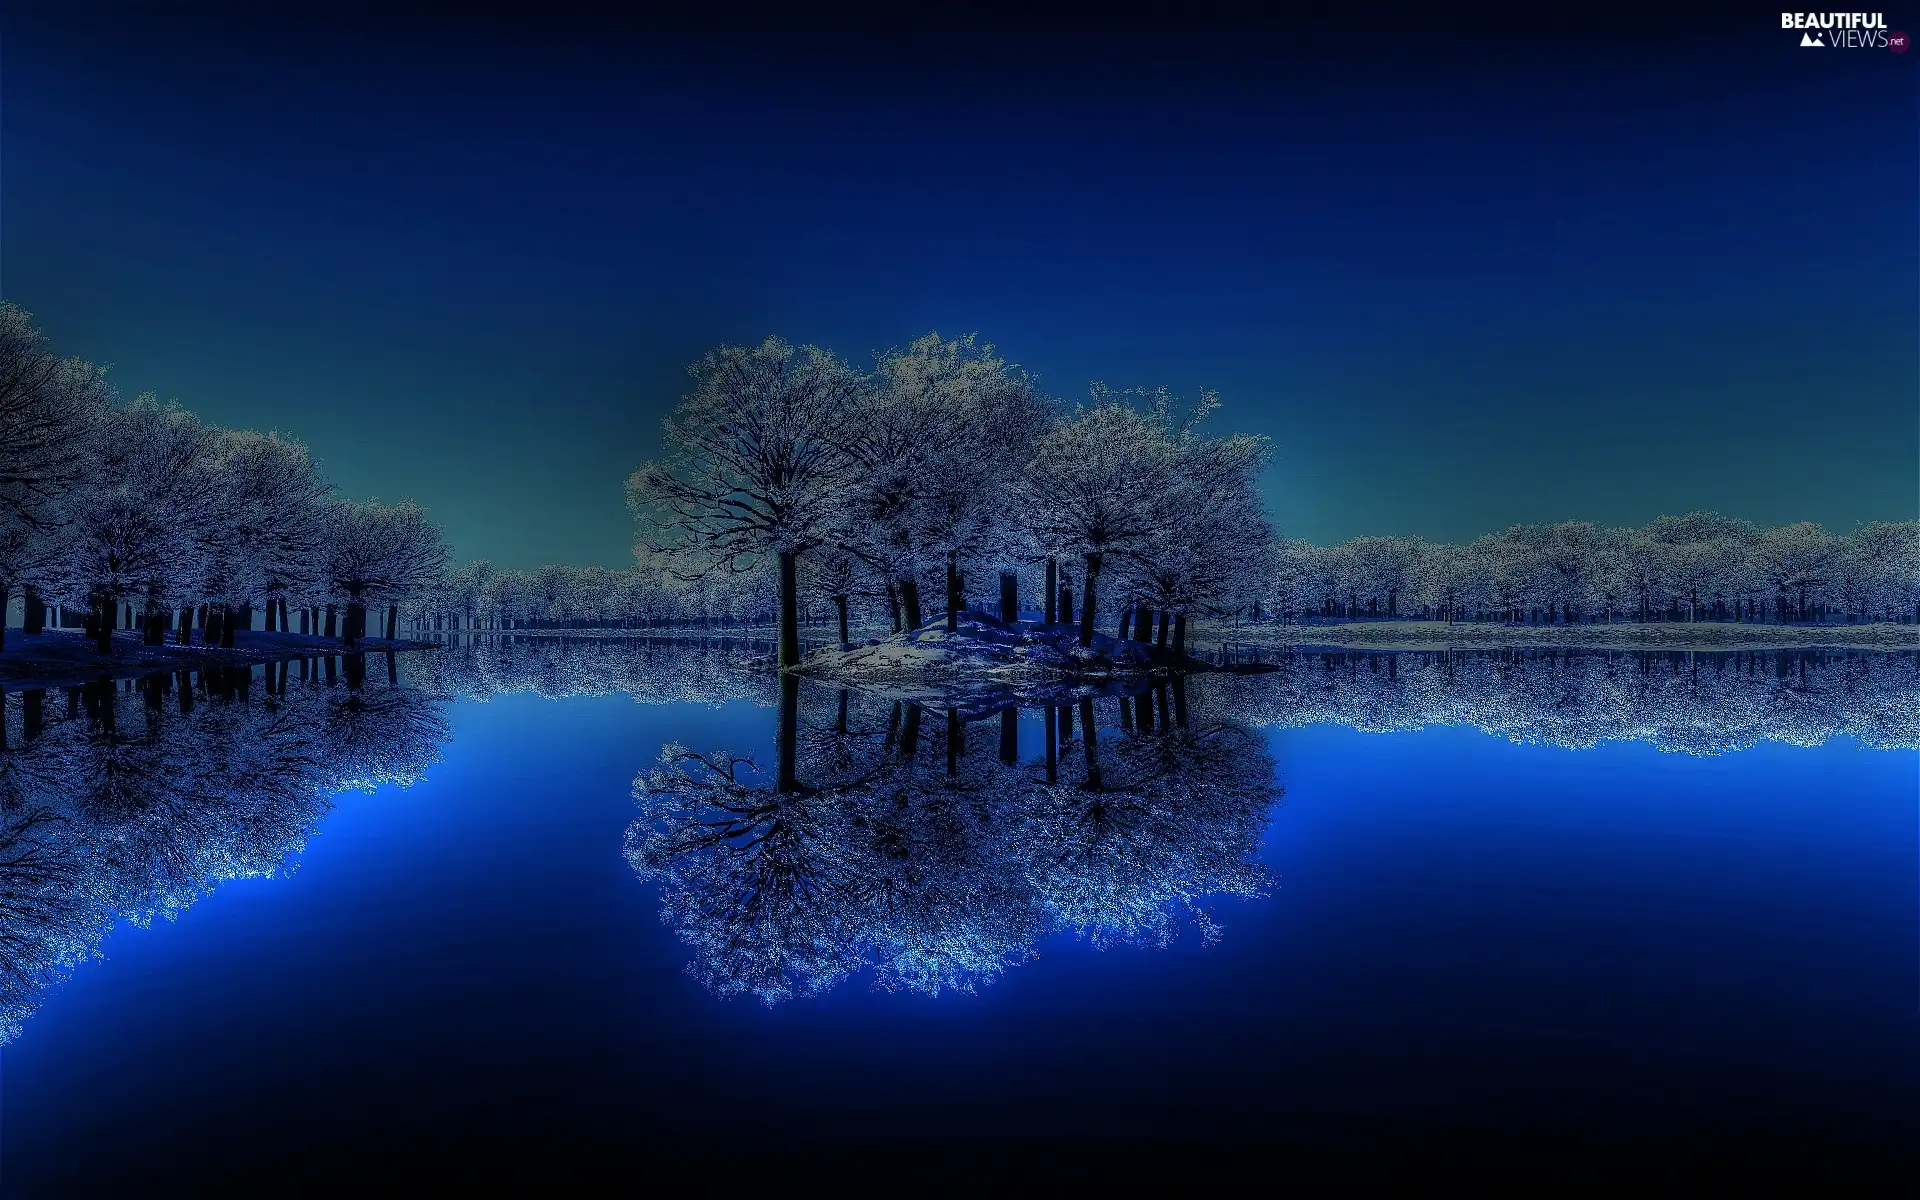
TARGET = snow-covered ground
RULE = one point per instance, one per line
(982, 649)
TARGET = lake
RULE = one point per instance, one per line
(546, 908)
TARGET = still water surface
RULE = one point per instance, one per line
(265, 926)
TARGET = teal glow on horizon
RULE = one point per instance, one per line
(1598, 285)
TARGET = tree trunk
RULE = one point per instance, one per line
(910, 600)
(893, 605)
(1066, 604)
(1143, 626)
(332, 617)
(787, 735)
(1052, 735)
(1087, 602)
(1010, 735)
(1009, 596)
(393, 621)
(840, 603)
(1052, 592)
(32, 712)
(910, 732)
(103, 625)
(1087, 740)
(953, 591)
(34, 613)
(789, 612)
(1180, 639)
(1163, 630)
(229, 619)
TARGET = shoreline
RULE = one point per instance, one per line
(66, 657)
(1356, 635)
(1670, 635)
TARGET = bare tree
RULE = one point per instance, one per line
(137, 522)
(756, 466)
(1104, 481)
(381, 552)
(46, 406)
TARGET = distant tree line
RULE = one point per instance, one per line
(1699, 566)
(140, 515)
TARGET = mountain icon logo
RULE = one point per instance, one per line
(1807, 39)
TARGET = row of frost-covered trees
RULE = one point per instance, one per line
(938, 480)
(476, 595)
(1695, 567)
(140, 515)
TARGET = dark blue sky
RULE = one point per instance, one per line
(1463, 275)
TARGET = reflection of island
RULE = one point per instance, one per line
(131, 798)
(893, 835)
(1696, 703)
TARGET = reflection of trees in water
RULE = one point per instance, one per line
(1158, 823)
(652, 670)
(124, 799)
(1701, 703)
(1696, 703)
(901, 837)
(891, 835)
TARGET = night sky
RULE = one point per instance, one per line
(1461, 275)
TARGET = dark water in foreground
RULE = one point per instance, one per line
(1607, 911)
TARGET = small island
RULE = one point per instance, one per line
(981, 647)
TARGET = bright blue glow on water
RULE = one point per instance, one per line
(1464, 940)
